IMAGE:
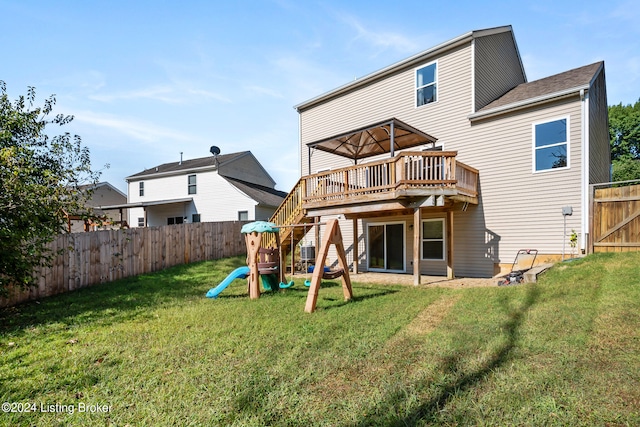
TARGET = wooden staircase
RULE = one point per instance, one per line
(289, 212)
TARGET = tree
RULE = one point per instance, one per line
(624, 131)
(39, 179)
(626, 169)
(624, 137)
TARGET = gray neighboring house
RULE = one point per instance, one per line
(102, 194)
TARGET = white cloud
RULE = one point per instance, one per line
(264, 91)
(139, 130)
(209, 95)
(379, 39)
(174, 94)
(164, 94)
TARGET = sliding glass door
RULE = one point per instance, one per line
(386, 245)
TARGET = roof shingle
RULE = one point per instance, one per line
(549, 85)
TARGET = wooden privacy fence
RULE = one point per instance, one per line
(103, 256)
(615, 219)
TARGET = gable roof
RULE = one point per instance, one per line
(263, 195)
(406, 63)
(188, 165)
(564, 84)
(99, 185)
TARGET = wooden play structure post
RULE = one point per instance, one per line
(332, 235)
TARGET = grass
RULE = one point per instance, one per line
(152, 350)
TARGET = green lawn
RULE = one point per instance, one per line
(152, 351)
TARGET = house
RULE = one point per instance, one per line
(228, 187)
(97, 196)
(450, 161)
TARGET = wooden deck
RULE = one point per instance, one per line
(400, 182)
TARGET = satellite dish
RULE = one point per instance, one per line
(214, 150)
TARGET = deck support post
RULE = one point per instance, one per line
(417, 219)
(356, 255)
(449, 227)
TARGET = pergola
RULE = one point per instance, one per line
(379, 138)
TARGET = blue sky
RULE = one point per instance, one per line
(147, 80)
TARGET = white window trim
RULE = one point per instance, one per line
(404, 247)
(194, 185)
(533, 144)
(435, 82)
(444, 240)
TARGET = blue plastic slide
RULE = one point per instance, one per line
(238, 273)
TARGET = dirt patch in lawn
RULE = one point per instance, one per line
(426, 281)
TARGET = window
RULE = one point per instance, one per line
(192, 184)
(433, 239)
(140, 221)
(175, 220)
(426, 82)
(141, 186)
(550, 145)
(195, 218)
(243, 216)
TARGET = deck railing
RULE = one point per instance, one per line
(380, 179)
(406, 171)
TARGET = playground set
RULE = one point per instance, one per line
(266, 263)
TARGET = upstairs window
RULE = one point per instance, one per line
(426, 84)
(243, 215)
(550, 145)
(141, 188)
(192, 184)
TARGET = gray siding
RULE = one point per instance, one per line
(599, 146)
(247, 168)
(263, 213)
(497, 67)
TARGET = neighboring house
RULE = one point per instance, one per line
(452, 161)
(229, 187)
(99, 195)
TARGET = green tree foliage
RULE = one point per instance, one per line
(624, 136)
(39, 179)
(626, 169)
(624, 131)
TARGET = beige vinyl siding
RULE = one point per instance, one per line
(599, 146)
(393, 97)
(497, 67)
(519, 208)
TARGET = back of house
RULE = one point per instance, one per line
(476, 164)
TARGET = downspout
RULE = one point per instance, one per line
(584, 136)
